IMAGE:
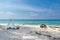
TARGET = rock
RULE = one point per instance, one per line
(43, 26)
(56, 39)
(17, 28)
(38, 33)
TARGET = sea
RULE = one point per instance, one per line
(32, 21)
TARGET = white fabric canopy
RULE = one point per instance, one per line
(10, 24)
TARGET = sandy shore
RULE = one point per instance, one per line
(29, 32)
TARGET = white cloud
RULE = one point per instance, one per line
(32, 14)
(23, 7)
(33, 11)
(6, 15)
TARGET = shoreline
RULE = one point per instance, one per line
(29, 25)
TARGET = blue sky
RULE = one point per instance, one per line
(30, 9)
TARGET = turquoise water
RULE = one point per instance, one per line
(26, 21)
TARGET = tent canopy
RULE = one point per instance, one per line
(10, 24)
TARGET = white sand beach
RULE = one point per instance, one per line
(29, 32)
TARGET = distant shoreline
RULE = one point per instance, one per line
(30, 25)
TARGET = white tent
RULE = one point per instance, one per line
(10, 25)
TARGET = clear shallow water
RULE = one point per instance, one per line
(26, 21)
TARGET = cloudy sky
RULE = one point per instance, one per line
(30, 9)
